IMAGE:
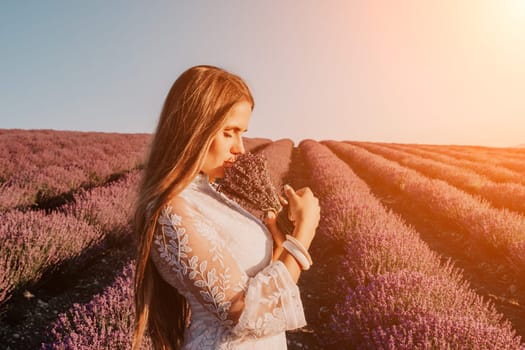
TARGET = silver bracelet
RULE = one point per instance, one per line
(301, 247)
(297, 254)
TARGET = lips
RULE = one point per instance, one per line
(228, 164)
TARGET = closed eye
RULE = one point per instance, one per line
(227, 135)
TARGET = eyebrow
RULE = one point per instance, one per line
(234, 128)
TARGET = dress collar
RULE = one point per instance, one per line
(201, 181)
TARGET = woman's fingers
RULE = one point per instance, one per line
(293, 199)
(302, 202)
(271, 222)
(290, 193)
(304, 191)
(283, 200)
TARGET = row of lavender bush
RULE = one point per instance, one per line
(278, 155)
(493, 172)
(501, 194)
(32, 242)
(41, 164)
(106, 321)
(466, 151)
(499, 229)
(492, 154)
(252, 144)
(493, 157)
(393, 291)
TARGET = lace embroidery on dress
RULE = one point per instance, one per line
(206, 273)
(212, 284)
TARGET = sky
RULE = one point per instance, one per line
(407, 71)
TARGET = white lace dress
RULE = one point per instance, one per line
(218, 256)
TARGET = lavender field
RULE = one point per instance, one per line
(419, 246)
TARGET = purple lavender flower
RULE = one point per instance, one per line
(248, 183)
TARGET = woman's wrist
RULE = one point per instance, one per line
(279, 239)
(291, 264)
(304, 233)
(277, 251)
(298, 254)
(300, 246)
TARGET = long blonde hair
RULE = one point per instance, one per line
(193, 112)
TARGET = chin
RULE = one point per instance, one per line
(219, 173)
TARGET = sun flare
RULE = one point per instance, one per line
(513, 13)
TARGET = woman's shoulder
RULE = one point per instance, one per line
(180, 205)
(177, 213)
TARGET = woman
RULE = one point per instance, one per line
(204, 275)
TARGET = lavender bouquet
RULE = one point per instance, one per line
(248, 183)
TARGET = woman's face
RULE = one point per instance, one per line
(227, 143)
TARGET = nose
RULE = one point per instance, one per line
(238, 147)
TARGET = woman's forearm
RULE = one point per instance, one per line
(278, 239)
(277, 250)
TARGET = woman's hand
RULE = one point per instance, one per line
(277, 235)
(304, 210)
(305, 213)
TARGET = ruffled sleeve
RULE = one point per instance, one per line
(195, 259)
